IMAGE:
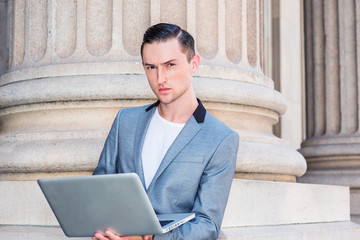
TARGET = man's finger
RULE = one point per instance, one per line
(100, 237)
(112, 236)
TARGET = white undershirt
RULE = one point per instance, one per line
(159, 137)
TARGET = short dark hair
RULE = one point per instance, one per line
(162, 32)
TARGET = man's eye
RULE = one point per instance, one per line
(171, 64)
(151, 67)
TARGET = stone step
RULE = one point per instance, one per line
(319, 231)
(256, 210)
(251, 203)
(263, 203)
(34, 232)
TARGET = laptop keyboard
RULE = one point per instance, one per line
(163, 223)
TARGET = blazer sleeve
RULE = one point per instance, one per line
(110, 154)
(212, 195)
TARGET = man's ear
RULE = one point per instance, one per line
(195, 62)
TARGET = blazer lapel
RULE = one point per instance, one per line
(141, 130)
(190, 129)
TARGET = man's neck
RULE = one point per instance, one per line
(178, 111)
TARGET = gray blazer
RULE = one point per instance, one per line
(194, 176)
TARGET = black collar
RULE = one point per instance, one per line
(199, 113)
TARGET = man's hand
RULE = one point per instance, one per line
(112, 236)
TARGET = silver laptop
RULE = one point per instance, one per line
(88, 204)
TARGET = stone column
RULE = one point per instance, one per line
(3, 36)
(74, 64)
(332, 145)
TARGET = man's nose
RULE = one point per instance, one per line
(161, 76)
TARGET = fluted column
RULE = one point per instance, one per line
(3, 36)
(332, 145)
(74, 64)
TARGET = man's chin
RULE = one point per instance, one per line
(165, 101)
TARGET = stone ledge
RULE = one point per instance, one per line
(319, 231)
(34, 232)
(262, 203)
(251, 203)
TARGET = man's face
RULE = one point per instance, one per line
(168, 70)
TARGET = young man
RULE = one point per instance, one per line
(183, 155)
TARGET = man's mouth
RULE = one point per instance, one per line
(164, 90)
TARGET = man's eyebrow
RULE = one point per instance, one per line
(148, 64)
(167, 62)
